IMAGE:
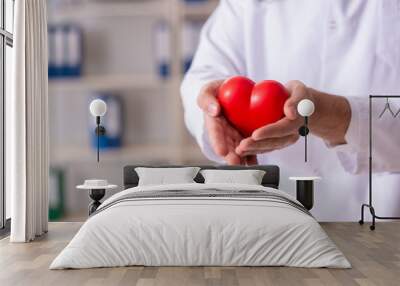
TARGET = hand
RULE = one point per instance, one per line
(223, 137)
(329, 122)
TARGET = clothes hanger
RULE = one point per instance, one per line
(387, 107)
(398, 113)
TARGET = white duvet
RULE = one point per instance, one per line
(200, 231)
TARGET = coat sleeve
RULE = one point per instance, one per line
(354, 156)
(218, 56)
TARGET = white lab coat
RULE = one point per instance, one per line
(349, 48)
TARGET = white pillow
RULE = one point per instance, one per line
(248, 177)
(164, 176)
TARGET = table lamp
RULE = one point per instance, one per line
(98, 108)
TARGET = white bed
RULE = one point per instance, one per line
(185, 230)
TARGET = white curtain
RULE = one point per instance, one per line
(27, 123)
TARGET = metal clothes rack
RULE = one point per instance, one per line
(370, 203)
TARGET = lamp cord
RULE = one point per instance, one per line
(98, 144)
(305, 140)
(98, 137)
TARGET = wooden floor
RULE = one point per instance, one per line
(375, 257)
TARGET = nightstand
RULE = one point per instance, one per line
(97, 190)
(305, 190)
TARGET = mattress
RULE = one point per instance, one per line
(201, 225)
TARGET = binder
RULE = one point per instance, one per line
(73, 51)
(59, 51)
(51, 55)
(190, 41)
(65, 51)
(163, 49)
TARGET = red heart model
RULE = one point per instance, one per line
(249, 106)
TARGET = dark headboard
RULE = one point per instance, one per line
(271, 178)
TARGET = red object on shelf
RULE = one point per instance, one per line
(249, 106)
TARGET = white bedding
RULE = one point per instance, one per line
(200, 231)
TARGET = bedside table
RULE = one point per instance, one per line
(97, 190)
(305, 190)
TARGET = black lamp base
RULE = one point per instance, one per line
(305, 193)
(96, 195)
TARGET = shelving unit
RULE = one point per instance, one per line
(147, 98)
(133, 153)
(90, 9)
(198, 10)
(144, 8)
(180, 148)
(108, 83)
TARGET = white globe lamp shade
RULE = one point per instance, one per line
(98, 107)
(306, 108)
